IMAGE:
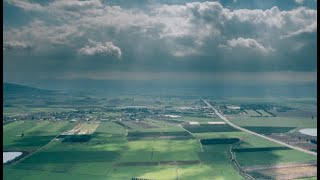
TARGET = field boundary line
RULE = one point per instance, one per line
(195, 137)
(256, 134)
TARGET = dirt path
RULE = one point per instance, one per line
(256, 134)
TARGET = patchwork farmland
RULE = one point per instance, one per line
(154, 147)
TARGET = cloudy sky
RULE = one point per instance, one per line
(247, 41)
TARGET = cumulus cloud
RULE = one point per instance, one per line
(248, 43)
(19, 45)
(99, 48)
(202, 23)
(57, 4)
(76, 4)
(299, 1)
(308, 29)
(26, 5)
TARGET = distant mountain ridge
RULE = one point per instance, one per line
(15, 89)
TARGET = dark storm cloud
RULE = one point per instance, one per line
(92, 37)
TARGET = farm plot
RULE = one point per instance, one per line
(30, 135)
(18, 174)
(275, 122)
(272, 157)
(263, 113)
(200, 119)
(251, 112)
(136, 135)
(268, 130)
(61, 157)
(122, 124)
(83, 128)
(110, 128)
(300, 140)
(76, 160)
(207, 172)
(217, 154)
(161, 150)
(268, 153)
(208, 135)
(140, 124)
(173, 172)
(209, 128)
(147, 172)
(219, 141)
(283, 171)
(153, 126)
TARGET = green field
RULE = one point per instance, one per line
(201, 120)
(150, 125)
(275, 122)
(161, 150)
(36, 134)
(69, 160)
(268, 157)
(111, 152)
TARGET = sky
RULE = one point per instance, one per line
(57, 43)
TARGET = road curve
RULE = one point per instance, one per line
(256, 134)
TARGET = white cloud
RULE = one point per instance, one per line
(16, 45)
(26, 5)
(184, 51)
(248, 43)
(199, 22)
(299, 1)
(308, 29)
(57, 4)
(96, 48)
(76, 4)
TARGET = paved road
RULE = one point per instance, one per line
(256, 134)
